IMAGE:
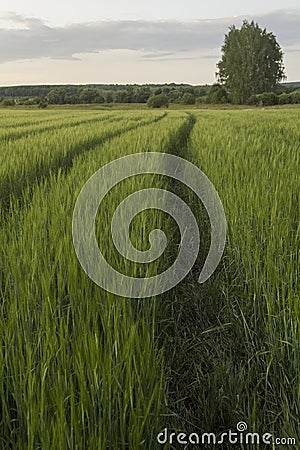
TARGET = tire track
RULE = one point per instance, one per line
(11, 191)
(57, 126)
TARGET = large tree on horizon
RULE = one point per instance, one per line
(251, 63)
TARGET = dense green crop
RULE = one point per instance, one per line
(243, 337)
(81, 368)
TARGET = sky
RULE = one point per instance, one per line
(132, 42)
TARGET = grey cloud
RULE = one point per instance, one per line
(182, 58)
(157, 55)
(210, 56)
(172, 56)
(284, 24)
(35, 39)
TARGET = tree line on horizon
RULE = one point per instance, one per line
(155, 96)
(99, 94)
(251, 71)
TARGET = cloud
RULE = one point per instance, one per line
(31, 38)
(284, 24)
(159, 55)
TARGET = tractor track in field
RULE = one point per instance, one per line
(196, 342)
(62, 163)
(11, 137)
(189, 313)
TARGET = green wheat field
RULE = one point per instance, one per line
(81, 368)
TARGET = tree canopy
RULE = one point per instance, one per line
(251, 63)
(158, 101)
(217, 94)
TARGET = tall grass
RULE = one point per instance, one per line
(28, 159)
(239, 356)
(80, 368)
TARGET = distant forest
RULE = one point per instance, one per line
(132, 93)
(104, 93)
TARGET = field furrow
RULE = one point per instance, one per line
(28, 160)
(241, 329)
(57, 124)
